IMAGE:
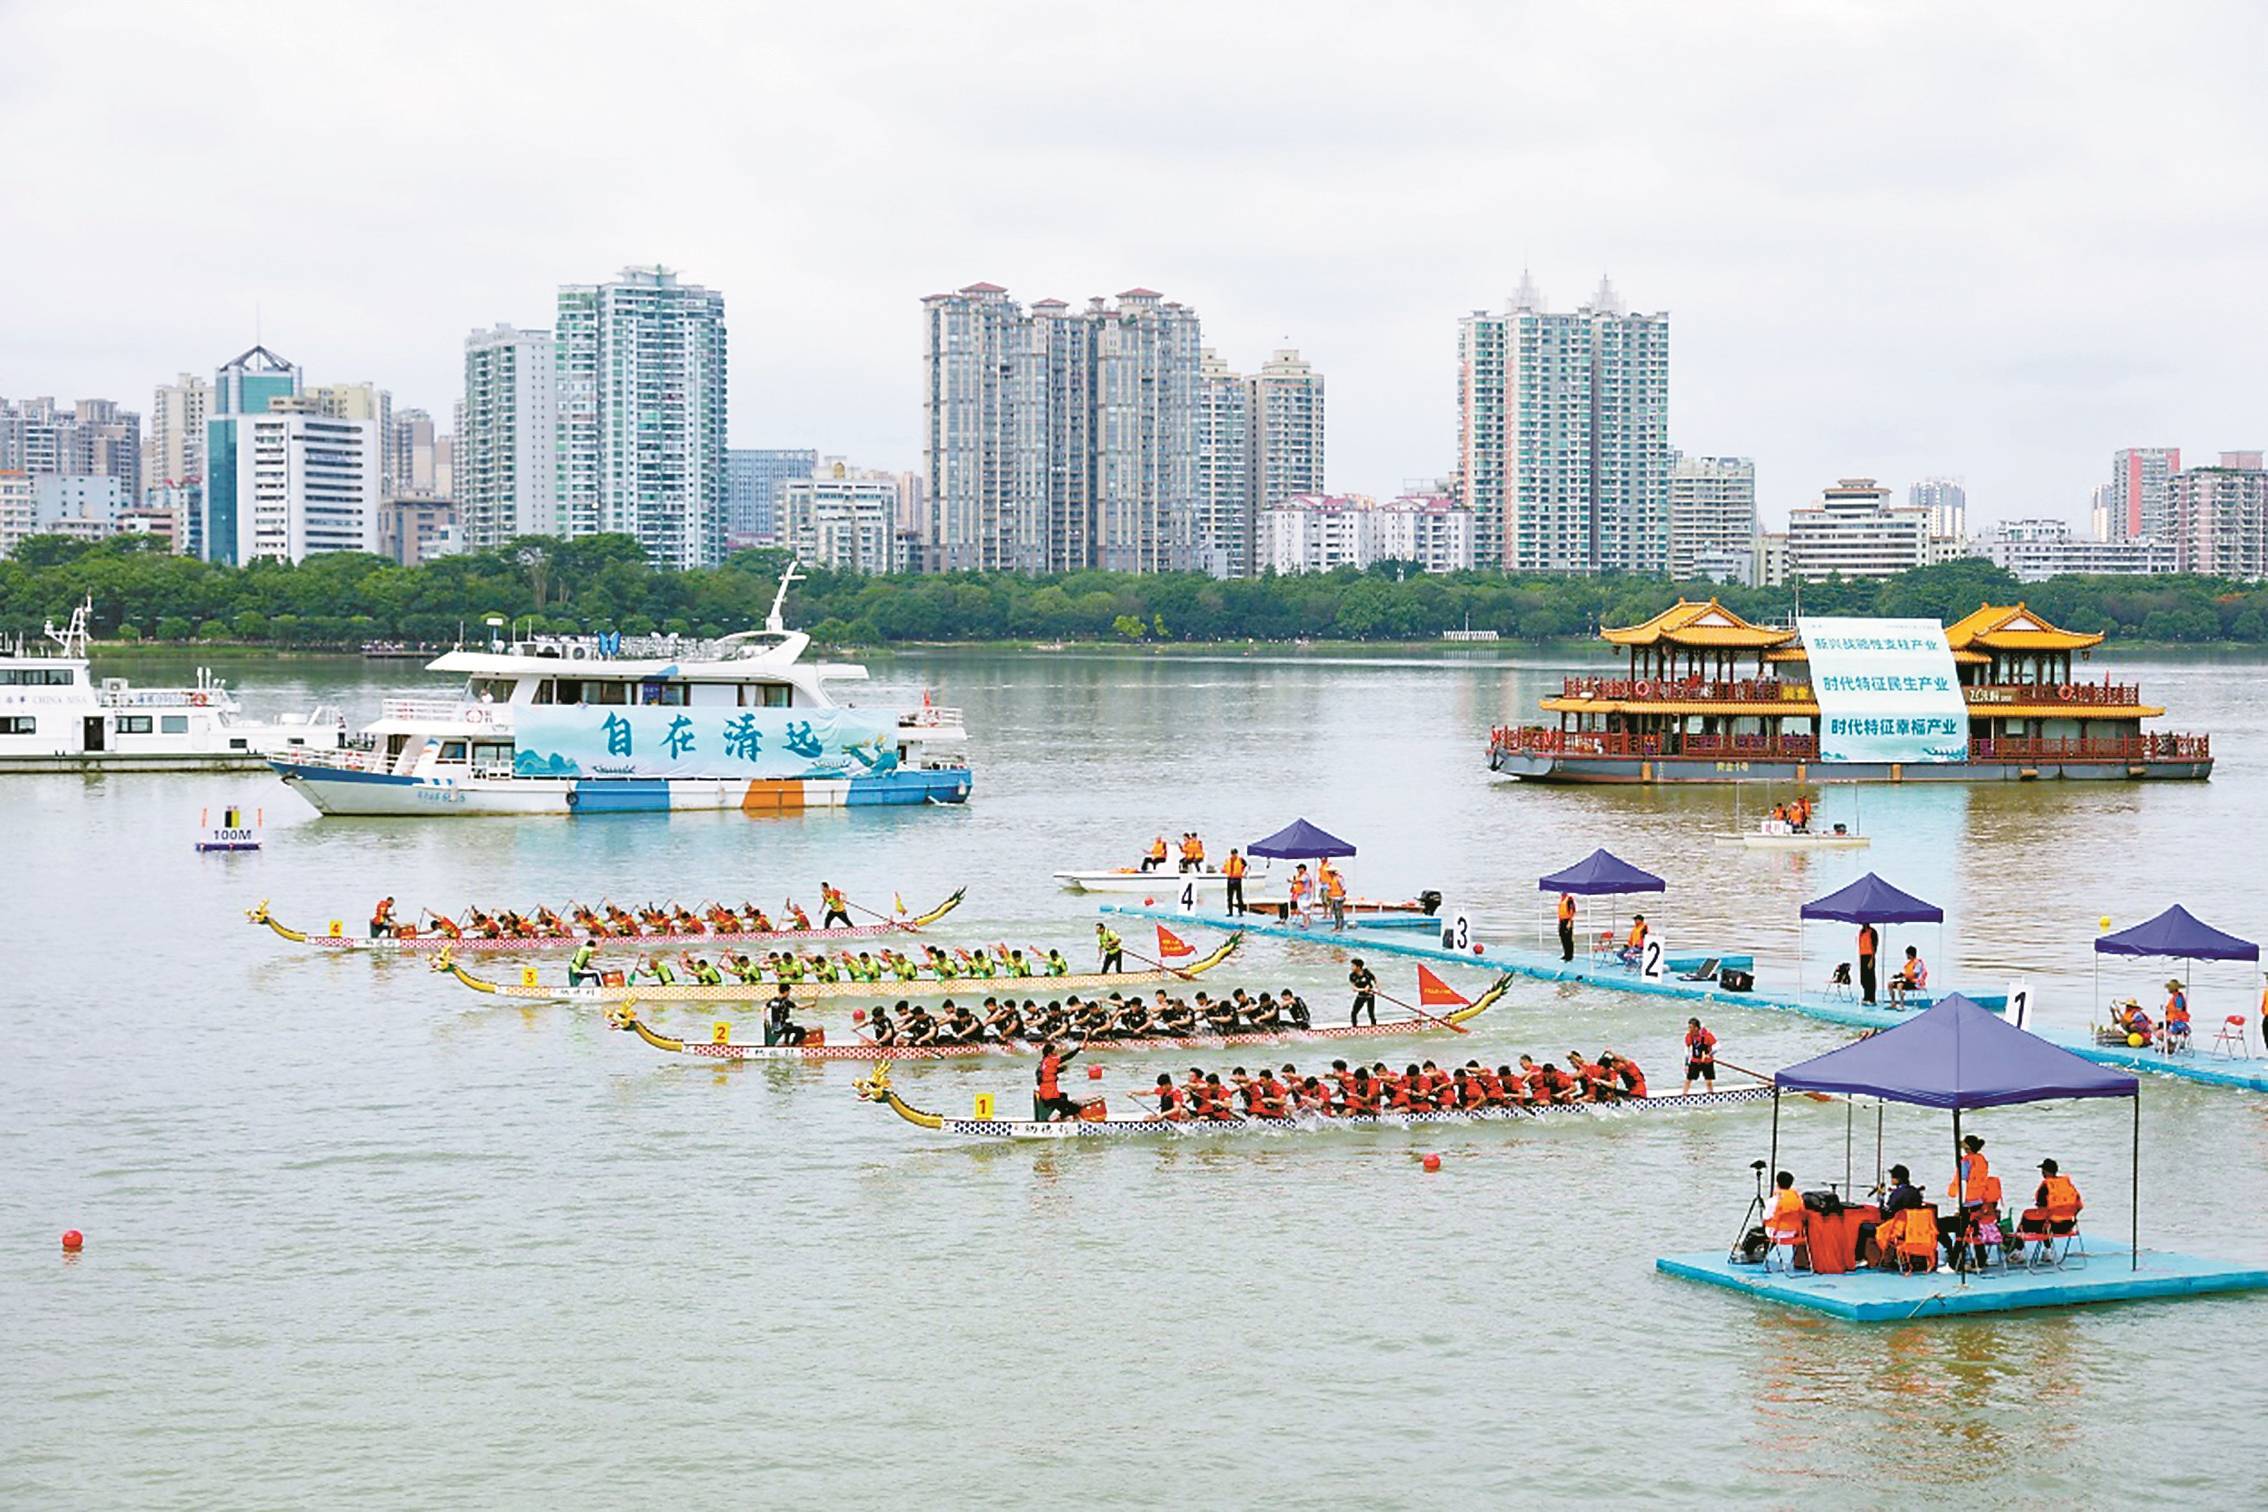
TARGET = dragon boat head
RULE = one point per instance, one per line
(874, 1087)
(623, 1016)
(446, 960)
(257, 913)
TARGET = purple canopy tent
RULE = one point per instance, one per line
(1600, 874)
(1300, 841)
(2176, 934)
(1956, 1056)
(1869, 900)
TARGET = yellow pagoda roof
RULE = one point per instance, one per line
(2013, 628)
(1685, 623)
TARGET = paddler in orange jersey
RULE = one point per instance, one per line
(797, 918)
(1156, 857)
(382, 920)
(833, 906)
(446, 926)
(1048, 1102)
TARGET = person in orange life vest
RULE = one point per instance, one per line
(2176, 1025)
(1634, 948)
(1301, 886)
(1155, 856)
(1910, 978)
(1786, 1219)
(1048, 1102)
(1967, 1187)
(1196, 852)
(1627, 1073)
(1567, 926)
(1700, 1056)
(382, 919)
(2055, 1205)
(1335, 894)
(1234, 869)
(1868, 943)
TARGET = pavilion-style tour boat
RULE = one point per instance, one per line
(1710, 697)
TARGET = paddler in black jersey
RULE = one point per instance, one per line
(959, 1026)
(1005, 1022)
(780, 1027)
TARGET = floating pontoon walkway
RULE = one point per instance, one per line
(1870, 1296)
(2249, 1074)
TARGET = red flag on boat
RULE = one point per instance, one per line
(1432, 992)
(1172, 946)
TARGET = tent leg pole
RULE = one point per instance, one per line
(1850, 1114)
(1878, 1173)
(1772, 1167)
(1960, 1188)
(2134, 1204)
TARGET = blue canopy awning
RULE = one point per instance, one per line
(1870, 900)
(2177, 932)
(1956, 1055)
(1601, 872)
(1300, 841)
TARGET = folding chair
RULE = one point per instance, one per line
(1916, 1245)
(2232, 1033)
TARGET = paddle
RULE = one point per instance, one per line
(1759, 1076)
(1186, 976)
(892, 921)
(1421, 1013)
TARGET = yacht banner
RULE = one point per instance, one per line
(1886, 689)
(597, 740)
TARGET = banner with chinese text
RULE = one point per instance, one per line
(594, 740)
(1887, 690)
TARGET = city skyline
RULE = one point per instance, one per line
(1922, 284)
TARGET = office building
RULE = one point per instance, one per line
(1712, 516)
(1059, 439)
(94, 437)
(412, 447)
(290, 483)
(173, 457)
(841, 517)
(1854, 531)
(17, 509)
(2036, 550)
(1563, 434)
(1947, 500)
(641, 363)
(503, 470)
(250, 383)
(415, 531)
(1324, 532)
(2139, 502)
(82, 504)
(2099, 513)
(2218, 517)
(753, 478)
(1226, 519)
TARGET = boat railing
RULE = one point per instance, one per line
(439, 711)
(930, 717)
(2152, 746)
(347, 758)
(2085, 694)
(1684, 689)
(165, 698)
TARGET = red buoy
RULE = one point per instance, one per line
(1479, 949)
(1149, 902)
(858, 1015)
(1094, 1072)
(1433, 1162)
(73, 1241)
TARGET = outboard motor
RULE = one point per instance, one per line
(1430, 901)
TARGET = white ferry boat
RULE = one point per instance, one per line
(56, 716)
(598, 725)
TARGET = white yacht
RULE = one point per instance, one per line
(598, 724)
(56, 716)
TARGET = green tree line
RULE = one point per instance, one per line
(603, 583)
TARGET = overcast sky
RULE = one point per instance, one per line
(1902, 238)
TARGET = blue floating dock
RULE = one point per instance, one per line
(1870, 1296)
(2249, 1074)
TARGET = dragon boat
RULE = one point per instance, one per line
(337, 937)
(723, 1047)
(876, 1088)
(530, 986)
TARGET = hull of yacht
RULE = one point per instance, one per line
(339, 790)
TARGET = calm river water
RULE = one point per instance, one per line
(356, 1234)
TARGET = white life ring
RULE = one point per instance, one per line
(197, 700)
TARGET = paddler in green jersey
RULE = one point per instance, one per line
(653, 970)
(943, 965)
(904, 967)
(866, 968)
(790, 968)
(980, 964)
(579, 970)
(1056, 965)
(824, 969)
(702, 972)
(745, 969)
(1017, 965)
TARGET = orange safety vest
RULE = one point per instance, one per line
(1637, 934)
(1969, 1185)
(2062, 1197)
(1787, 1213)
(1334, 885)
(1234, 866)
(1566, 908)
(1048, 1071)
(1157, 849)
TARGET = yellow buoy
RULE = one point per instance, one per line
(2103, 922)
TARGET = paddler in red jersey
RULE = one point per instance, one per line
(1267, 1095)
(1048, 1102)
(1172, 1106)
(1628, 1077)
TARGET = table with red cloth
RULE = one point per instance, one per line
(1832, 1238)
